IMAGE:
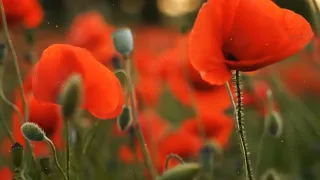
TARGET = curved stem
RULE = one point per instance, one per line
(172, 156)
(53, 149)
(238, 107)
(6, 128)
(15, 60)
(138, 131)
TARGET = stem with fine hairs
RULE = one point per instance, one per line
(137, 127)
(238, 111)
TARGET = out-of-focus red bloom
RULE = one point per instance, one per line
(151, 42)
(182, 143)
(154, 128)
(46, 115)
(103, 96)
(186, 83)
(217, 127)
(301, 78)
(226, 28)
(6, 174)
(28, 12)
(90, 31)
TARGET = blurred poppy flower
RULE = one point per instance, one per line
(6, 174)
(184, 81)
(217, 127)
(46, 115)
(181, 143)
(90, 31)
(27, 12)
(225, 37)
(103, 96)
(154, 128)
(301, 78)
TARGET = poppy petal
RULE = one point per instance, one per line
(205, 45)
(268, 37)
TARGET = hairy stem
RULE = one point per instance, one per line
(238, 107)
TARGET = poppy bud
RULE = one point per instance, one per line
(116, 63)
(187, 171)
(32, 132)
(274, 124)
(17, 155)
(46, 165)
(122, 77)
(29, 35)
(125, 119)
(71, 95)
(206, 157)
(270, 174)
(123, 41)
(3, 53)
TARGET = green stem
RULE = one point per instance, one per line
(68, 162)
(53, 149)
(90, 138)
(238, 108)
(15, 60)
(138, 131)
(172, 156)
(6, 128)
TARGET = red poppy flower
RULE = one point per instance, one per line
(28, 12)
(154, 128)
(103, 96)
(181, 143)
(6, 174)
(216, 126)
(255, 33)
(301, 78)
(184, 81)
(90, 31)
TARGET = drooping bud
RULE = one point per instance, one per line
(122, 77)
(32, 132)
(206, 158)
(116, 63)
(274, 124)
(71, 96)
(29, 35)
(123, 41)
(46, 165)
(270, 174)
(181, 172)
(17, 155)
(125, 119)
(3, 52)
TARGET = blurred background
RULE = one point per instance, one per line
(286, 150)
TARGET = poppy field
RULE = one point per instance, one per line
(159, 90)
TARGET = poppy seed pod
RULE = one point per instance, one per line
(123, 41)
(187, 171)
(274, 124)
(125, 119)
(206, 158)
(17, 154)
(32, 132)
(71, 94)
